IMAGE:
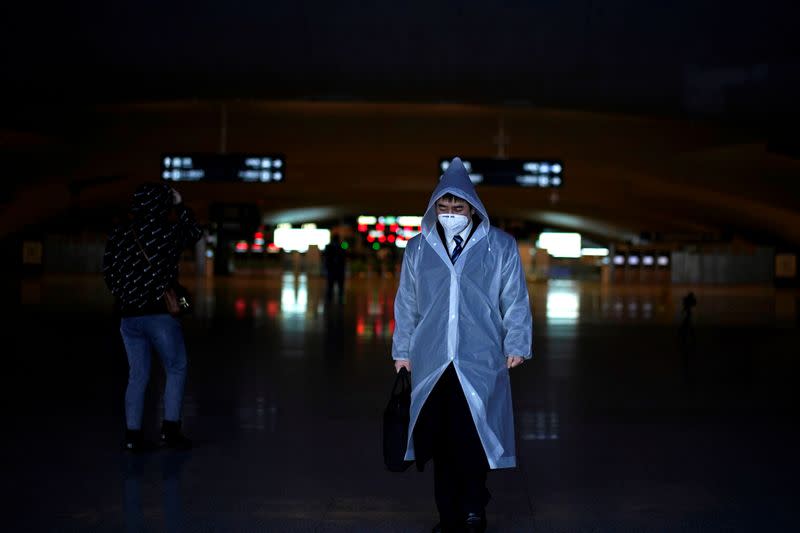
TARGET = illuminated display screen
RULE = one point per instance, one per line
(387, 230)
(537, 173)
(238, 168)
(560, 244)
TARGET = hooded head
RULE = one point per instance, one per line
(152, 200)
(455, 181)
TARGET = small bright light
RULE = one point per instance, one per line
(401, 243)
(595, 252)
(531, 167)
(544, 181)
(367, 221)
(544, 167)
(167, 162)
(648, 260)
(560, 244)
(187, 162)
(381, 220)
(409, 221)
(299, 239)
(284, 225)
(556, 169)
(277, 163)
(619, 259)
(177, 162)
(556, 181)
(166, 175)
(266, 176)
(277, 176)
(445, 165)
(476, 178)
(266, 163)
(210, 253)
(663, 260)
(633, 260)
(376, 246)
(310, 225)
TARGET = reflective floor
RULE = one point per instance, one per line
(626, 421)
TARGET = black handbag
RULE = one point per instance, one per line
(396, 418)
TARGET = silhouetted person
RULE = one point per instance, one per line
(335, 265)
(463, 320)
(139, 265)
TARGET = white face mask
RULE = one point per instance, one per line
(453, 224)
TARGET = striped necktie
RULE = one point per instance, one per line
(457, 251)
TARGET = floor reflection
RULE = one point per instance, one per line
(136, 470)
(285, 395)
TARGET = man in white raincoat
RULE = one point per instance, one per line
(463, 319)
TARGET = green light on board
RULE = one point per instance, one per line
(376, 246)
(345, 246)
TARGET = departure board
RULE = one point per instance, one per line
(231, 168)
(539, 173)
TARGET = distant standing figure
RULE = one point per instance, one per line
(335, 264)
(139, 265)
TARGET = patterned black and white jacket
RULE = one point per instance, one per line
(138, 282)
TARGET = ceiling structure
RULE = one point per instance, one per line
(673, 118)
(624, 176)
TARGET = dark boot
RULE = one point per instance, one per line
(135, 443)
(172, 437)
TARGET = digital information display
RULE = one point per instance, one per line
(231, 168)
(541, 173)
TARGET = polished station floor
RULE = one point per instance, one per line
(626, 421)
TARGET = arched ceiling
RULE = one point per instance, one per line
(624, 175)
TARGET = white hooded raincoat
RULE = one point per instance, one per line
(472, 314)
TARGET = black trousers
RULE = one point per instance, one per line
(446, 433)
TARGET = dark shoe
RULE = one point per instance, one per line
(475, 523)
(135, 443)
(172, 437)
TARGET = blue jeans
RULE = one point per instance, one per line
(142, 335)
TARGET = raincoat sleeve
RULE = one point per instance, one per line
(406, 312)
(515, 307)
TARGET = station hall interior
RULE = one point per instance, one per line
(644, 158)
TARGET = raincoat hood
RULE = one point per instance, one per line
(455, 181)
(152, 200)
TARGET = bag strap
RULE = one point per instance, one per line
(136, 238)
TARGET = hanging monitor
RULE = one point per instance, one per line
(231, 168)
(536, 173)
